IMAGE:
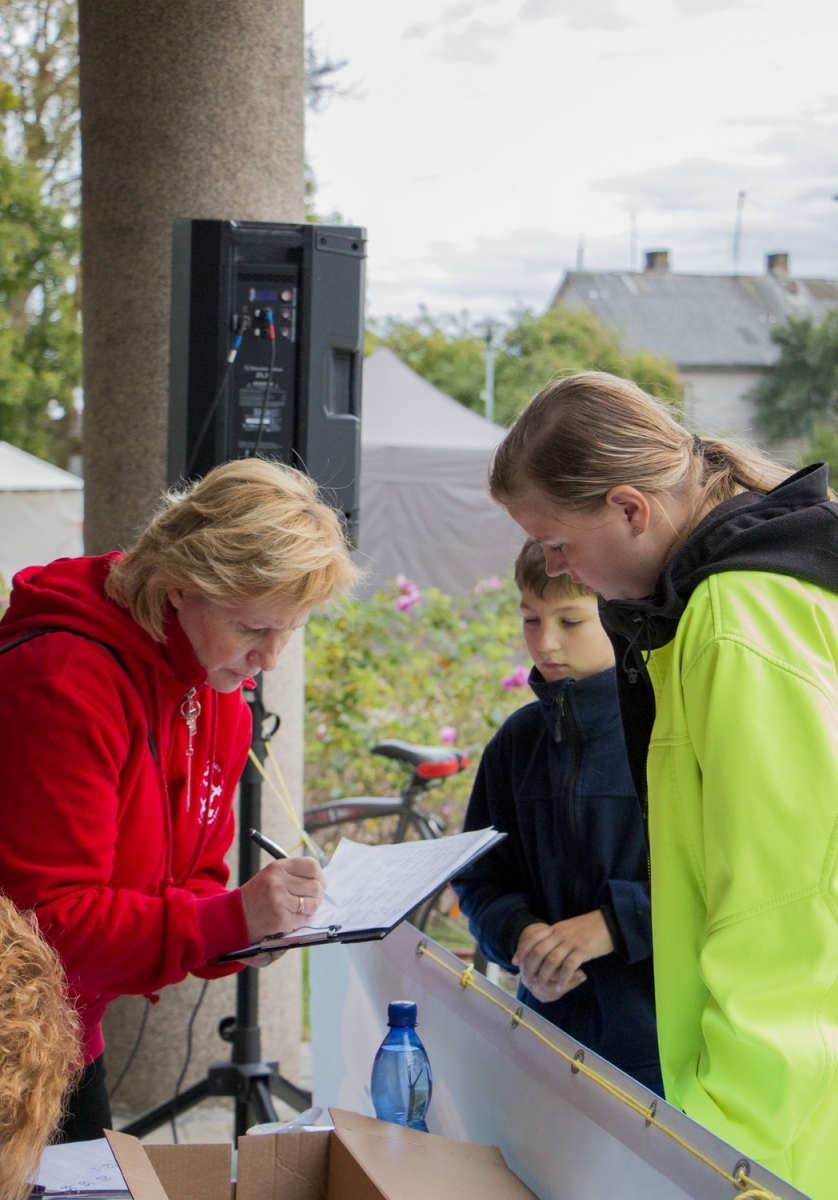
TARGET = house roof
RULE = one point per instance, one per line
(403, 409)
(697, 320)
(22, 472)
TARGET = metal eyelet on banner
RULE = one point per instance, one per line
(517, 1017)
(579, 1056)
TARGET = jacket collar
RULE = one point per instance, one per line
(591, 702)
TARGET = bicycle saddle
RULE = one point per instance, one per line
(419, 756)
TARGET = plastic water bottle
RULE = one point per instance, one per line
(401, 1074)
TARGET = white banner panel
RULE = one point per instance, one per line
(563, 1133)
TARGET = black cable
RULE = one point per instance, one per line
(244, 325)
(133, 1053)
(266, 397)
(188, 1058)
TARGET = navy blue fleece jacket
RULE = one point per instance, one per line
(556, 780)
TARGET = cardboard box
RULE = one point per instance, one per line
(361, 1159)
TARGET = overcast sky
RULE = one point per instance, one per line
(482, 138)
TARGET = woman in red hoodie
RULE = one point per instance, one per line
(123, 733)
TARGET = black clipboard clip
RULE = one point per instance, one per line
(291, 940)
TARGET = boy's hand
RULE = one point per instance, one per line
(550, 956)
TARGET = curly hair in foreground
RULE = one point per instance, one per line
(40, 1047)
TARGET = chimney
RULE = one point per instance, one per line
(777, 265)
(657, 260)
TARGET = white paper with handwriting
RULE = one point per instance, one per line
(374, 886)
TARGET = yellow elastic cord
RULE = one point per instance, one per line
(466, 978)
(285, 800)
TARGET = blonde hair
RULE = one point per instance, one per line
(531, 575)
(249, 531)
(587, 433)
(40, 1048)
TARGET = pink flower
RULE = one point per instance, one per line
(518, 678)
(406, 586)
(447, 810)
(448, 735)
(492, 584)
(322, 730)
(406, 602)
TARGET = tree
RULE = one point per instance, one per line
(39, 45)
(824, 448)
(39, 335)
(449, 353)
(802, 389)
(566, 340)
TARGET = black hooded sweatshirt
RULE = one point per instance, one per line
(793, 530)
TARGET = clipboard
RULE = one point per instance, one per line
(413, 870)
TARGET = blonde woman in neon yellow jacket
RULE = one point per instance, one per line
(719, 577)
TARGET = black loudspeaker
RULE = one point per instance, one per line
(267, 343)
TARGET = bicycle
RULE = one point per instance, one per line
(430, 766)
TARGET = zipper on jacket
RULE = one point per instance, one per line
(190, 710)
(642, 672)
(572, 736)
(558, 731)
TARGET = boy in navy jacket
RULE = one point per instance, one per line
(564, 898)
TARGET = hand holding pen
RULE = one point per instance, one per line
(282, 897)
(276, 851)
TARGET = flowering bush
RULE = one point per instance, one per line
(515, 679)
(429, 672)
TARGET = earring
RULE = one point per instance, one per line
(637, 529)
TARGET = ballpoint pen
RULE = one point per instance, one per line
(276, 851)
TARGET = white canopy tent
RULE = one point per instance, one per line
(425, 510)
(41, 512)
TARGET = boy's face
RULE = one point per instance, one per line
(563, 635)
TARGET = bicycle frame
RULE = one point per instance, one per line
(365, 808)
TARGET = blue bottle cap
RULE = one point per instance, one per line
(401, 1012)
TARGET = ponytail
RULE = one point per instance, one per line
(585, 434)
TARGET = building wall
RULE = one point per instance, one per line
(716, 400)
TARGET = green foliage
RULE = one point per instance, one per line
(824, 448)
(40, 76)
(40, 341)
(374, 672)
(449, 353)
(40, 338)
(802, 389)
(565, 340)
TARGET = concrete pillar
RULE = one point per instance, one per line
(193, 109)
(189, 109)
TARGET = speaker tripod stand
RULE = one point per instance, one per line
(246, 1076)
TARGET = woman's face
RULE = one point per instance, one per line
(234, 643)
(618, 551)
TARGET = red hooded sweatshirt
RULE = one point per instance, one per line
(120, 856)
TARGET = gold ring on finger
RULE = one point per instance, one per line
(301, 907)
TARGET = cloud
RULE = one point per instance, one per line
(491, 277)
(787, 175)
(476, 44)
(418, 31)
(789, 179)
(700, 8)
(579, 14)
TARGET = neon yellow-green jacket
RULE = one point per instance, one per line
(743, 825)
